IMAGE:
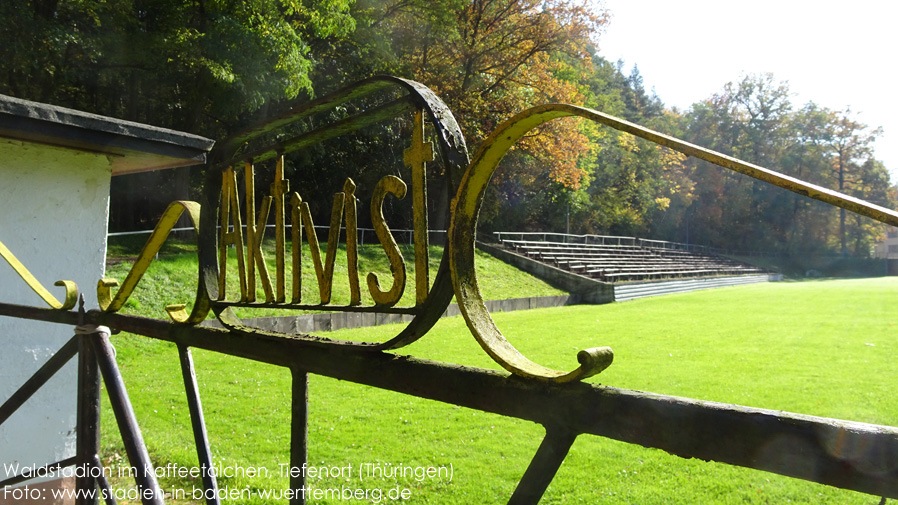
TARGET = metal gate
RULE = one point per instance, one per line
(557, 400)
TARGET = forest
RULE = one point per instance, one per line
(210, 67)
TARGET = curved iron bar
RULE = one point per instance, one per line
(565, 411)
(467, 204)
(456, 274)
(451, 146)
(71, 289)
(177, 312)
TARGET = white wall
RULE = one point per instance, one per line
(53, 214)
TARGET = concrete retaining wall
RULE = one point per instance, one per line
(311, 323)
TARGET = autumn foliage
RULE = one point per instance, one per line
(211, 66)
(489, 59)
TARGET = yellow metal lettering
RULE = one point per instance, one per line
(415, 158)
(279, 188)
(252, 266)
(315, 248)
(230, 211)
(250, 186)
(325, 273)
(352, 251)
(394, 185)
(261, 265)
(296, 243)
(255, 232)
(177, 312)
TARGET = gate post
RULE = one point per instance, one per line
(299, 435)
(198, 422)
(543, 467)
(87, 443)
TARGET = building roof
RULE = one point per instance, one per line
(134, 147)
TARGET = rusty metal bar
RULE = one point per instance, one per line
(849, 455)
(681, 426)
(299, 434)
(12, 481)
(350, 124)
(494, 147)
(144, 475)
(543, 467)
(198, 422)
(69, 318)
(322, 104)
(87, 442)
(40, 377)
(104, 483)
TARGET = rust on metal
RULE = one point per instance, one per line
(556, 399)
(432, 293)
(456, 275)
(279, 190)
(392, 185)
(177, 312)
(683, 427)
(255, 233)
(416, 158)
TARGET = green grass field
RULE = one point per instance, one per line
(821, 348)
(172, 277)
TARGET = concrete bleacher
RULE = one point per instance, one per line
(623, 259)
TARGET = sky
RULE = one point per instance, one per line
(836, 54)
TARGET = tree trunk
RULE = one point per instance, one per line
(842, 237)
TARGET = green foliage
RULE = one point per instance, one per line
(634, 187)
(209, 66)
(195, 66)
(754, 120)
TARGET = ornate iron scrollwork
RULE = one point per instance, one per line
(218, 224)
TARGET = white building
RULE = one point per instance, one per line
(889, 247)
(55, 170)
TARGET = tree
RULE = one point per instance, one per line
(489, 59)
(871, 183)
(754, 120)
(806, 157)
(749, 120)
(199, 66)
(850, 142)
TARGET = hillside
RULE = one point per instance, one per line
(171, 278)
